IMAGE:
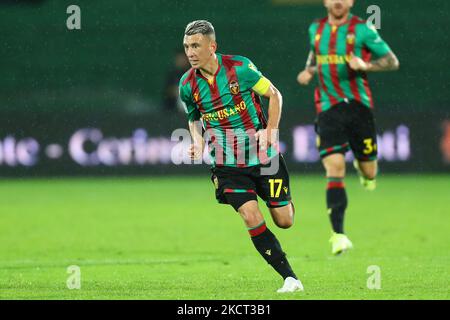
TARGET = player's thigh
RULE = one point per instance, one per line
(233, 186)
(332, 136)
(362, 134)
(283, 216)
(274, 188)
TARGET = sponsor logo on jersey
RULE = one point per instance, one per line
(225, 112)
(333, 59)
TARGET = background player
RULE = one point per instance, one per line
(341, 49)
(220, 90)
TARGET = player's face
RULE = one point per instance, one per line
(338, 8)
(199, 49)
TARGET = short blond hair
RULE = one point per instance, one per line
(200, 26)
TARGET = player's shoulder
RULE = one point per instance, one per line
(314, 26)
(358, 20)
(186, 78)
(243, 66)
(362, 24)
(234, 60)
(240, 63)
(318, 21)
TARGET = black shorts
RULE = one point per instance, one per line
(347, 126)
(236, 186)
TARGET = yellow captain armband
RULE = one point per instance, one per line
(261, 86)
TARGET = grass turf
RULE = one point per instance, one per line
(167, 238)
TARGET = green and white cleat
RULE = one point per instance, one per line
(368, 184)
(340, 243)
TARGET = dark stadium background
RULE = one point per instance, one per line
(106, 82)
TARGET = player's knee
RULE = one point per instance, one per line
(252, 220)
(371, 174)
(251, 216)
(336, 169)
(285, 223)
(369, 169)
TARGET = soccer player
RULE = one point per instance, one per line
(342, 46)
(223, 91)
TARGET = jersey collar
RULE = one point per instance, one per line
(349, 18)
(219, 62)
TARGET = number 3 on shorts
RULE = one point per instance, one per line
(370, 147)
(272, 183)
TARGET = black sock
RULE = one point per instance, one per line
(268, 246)
(336, 203)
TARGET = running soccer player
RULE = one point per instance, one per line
(223, 92)
(342, 46)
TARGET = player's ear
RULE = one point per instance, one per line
(213, 46)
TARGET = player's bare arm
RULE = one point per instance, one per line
(305, 76)
(265, 136)
(198, 143)
(389, 62)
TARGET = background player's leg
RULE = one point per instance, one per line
(283, 217)
(264, 240)
(367, 171)
(336, 196)
(363, 142)
(368, 168)
(336, 200)
(334, 165)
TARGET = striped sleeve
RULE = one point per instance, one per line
(312, 34)
(374, 42)
(248, 74)
(190, 107)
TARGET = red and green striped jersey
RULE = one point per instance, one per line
(227, 105)
(332, 46)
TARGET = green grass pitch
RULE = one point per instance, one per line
(167, 238)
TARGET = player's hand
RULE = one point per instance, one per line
(195, 152)
(265, 139)
(357, 64)
(304, 77)
(262, 139)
